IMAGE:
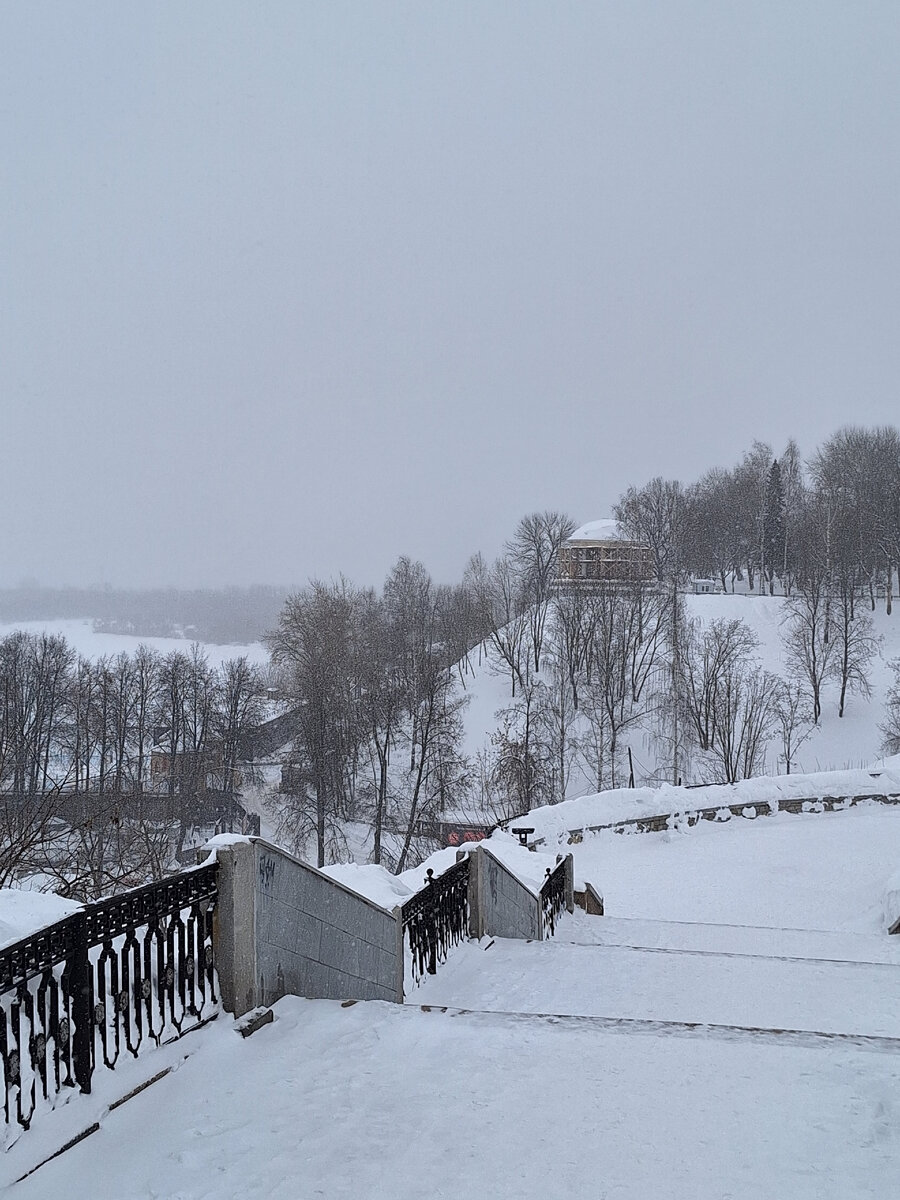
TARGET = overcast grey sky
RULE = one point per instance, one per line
(293, 288)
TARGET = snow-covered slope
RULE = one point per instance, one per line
(851, 741)
(837, 743)
(379, 1100)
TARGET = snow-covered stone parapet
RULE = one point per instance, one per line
(528, 866)
(285, 928)
(505, 888)
(506, 907)
(553, 824)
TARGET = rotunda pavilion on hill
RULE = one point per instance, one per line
(598, 552)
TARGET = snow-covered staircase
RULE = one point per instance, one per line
(727, 978)
(761, 941)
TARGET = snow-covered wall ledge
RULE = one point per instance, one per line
(652, 808)
(285, 928)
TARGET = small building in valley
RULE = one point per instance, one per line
(704, 587)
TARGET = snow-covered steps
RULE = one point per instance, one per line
(759, 1034)
(379, 1099)
(672, 984)
(760, 941)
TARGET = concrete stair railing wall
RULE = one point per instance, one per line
(285, 928)
(501, 905)
(282, 927)
(590, 900)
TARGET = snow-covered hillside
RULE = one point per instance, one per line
(837, 743)
(851, 741)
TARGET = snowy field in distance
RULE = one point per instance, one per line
(83, 639)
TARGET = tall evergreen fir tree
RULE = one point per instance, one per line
(773, 532)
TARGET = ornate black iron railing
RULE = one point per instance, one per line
(121, 974)
(437, 918)
(553, 897)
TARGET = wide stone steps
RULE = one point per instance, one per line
(734, 977)
(758, 941)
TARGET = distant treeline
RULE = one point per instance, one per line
(223, 615)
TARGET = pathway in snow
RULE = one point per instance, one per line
(757, 940)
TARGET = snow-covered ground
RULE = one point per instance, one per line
(849, 741)
(731, 1030)
(82, 637)
(814, 871)
(378, 1101)
(750, 987)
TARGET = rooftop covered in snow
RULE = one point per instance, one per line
(598, 552)
(604, 530)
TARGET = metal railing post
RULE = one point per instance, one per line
(79, 972)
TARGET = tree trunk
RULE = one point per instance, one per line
(320, 823)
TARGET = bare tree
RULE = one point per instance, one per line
(857, 476)
(750, 487)
(655, 514)
(629, 631)
(147, 685)
(795, 720)
(533, 552)
(522, 769)
(808, 636)
(313, 643)
(510, 623)
(745, 722)
(890, 727)
(857, 643)
(432, 707)
(237, 714)
(711, 549)
(711, 657)
(793, 491)
(380, 702)
(100, 850)
(572, 632)
(28, 825)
